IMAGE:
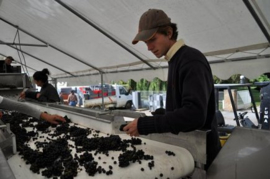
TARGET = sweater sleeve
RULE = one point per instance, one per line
(18, 106)
(147, 125)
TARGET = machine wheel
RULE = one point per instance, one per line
(128, 105)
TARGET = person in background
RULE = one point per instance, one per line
(47, 93)
(8, 104)
(61, 97)
(190, 100)
(7, 68)
(72, 98)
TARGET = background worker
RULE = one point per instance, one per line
(47, 93)
(190, 99)
(72, 98)
(8, 104)
(61, 97)
(6, 66)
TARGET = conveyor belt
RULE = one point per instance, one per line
(182, 162)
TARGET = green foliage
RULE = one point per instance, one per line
(121, 82)
(261, 78)
(235, 78)
(216, 80)
(164, 86)
(132, 84)
(143, 85)
(155, 85)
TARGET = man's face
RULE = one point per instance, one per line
(8, 61)
(159, 44)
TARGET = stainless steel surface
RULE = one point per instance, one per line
(11, 93)
(244, 156)
(14, 80)
(7, 140)
(5, 170)
(222, 86)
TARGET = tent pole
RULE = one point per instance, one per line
(87, 64)
(102, 92)
(103, 32)
(40, 60)
(22, 44)
(257, 19)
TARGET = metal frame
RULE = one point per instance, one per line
(23, 44)
(39, 59)
(102, 31)
(232, 86)
(257, 19)
(31, 35)
(252, 47)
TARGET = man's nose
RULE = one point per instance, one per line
(149, 47)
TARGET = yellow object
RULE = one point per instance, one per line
(223, 139)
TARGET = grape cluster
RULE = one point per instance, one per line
(91, 168)
(170, 153)
(77, 131)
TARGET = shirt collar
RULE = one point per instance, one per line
(176, 46)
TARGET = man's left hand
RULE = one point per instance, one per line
(38, 95)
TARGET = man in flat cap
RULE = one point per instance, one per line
(190, 100)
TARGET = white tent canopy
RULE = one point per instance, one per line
(79, 40)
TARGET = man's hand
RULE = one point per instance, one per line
(54, 119)
(1, 114)
(131, 129)
(22, 95)
(38, 95)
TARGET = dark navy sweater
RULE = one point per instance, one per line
(190, 100)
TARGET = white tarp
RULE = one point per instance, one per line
(224, 30)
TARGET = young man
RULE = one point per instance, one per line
(190, 103)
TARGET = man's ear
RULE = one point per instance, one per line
(169, 32)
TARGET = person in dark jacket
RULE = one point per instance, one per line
(6, 65)
(190, 103)
(47, 93)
